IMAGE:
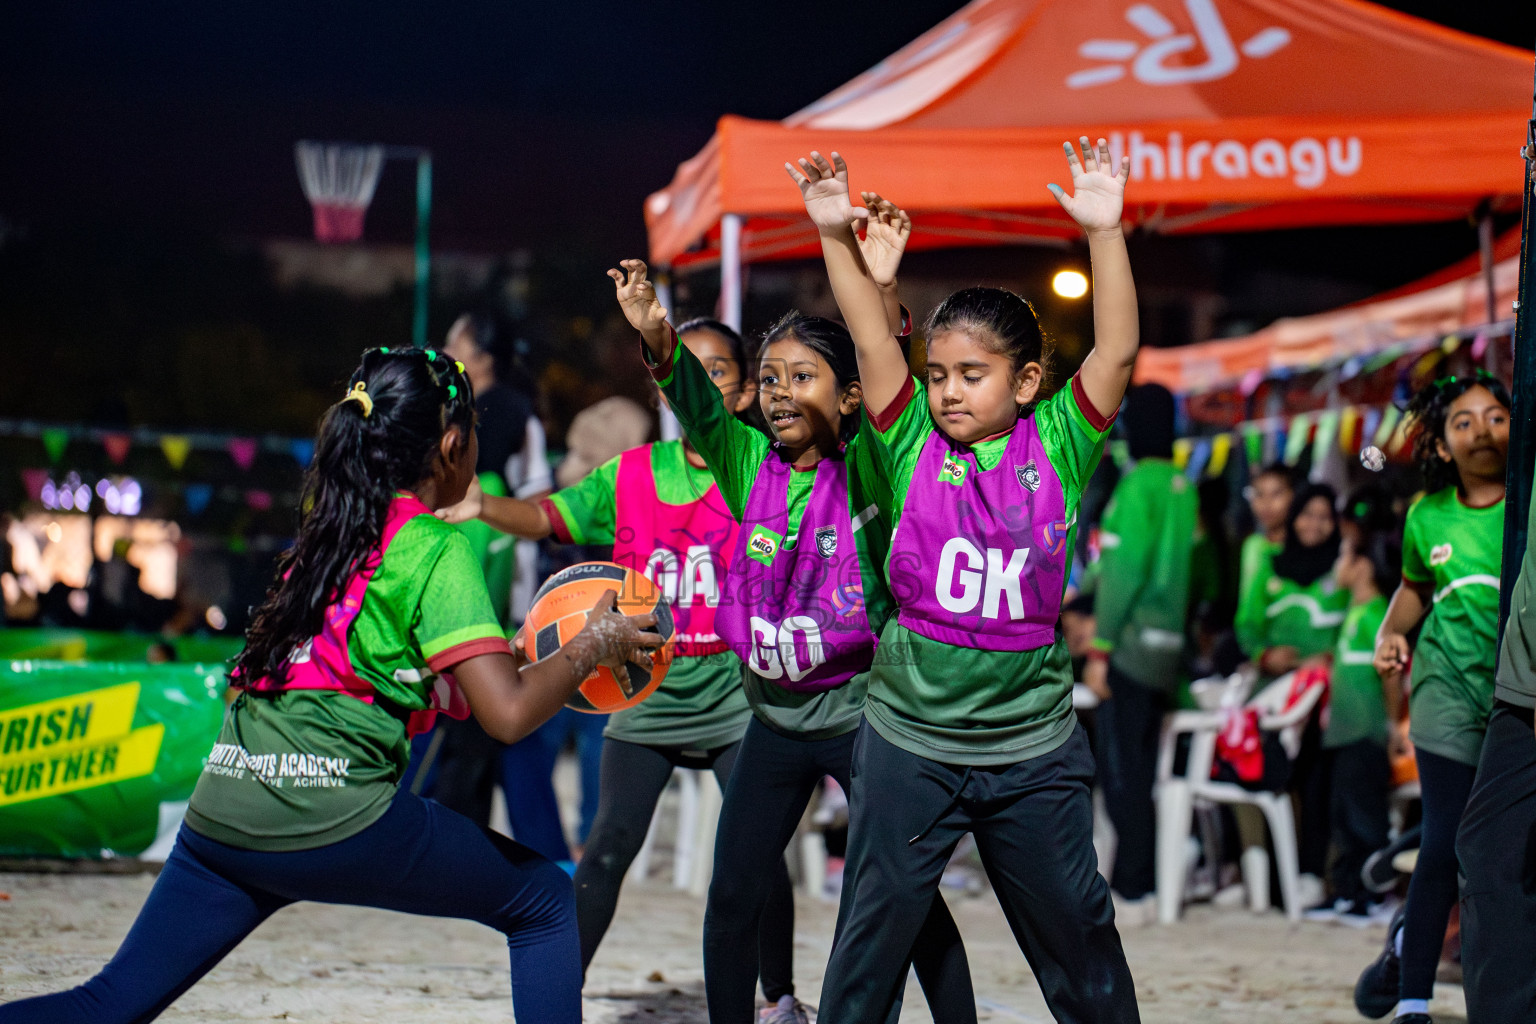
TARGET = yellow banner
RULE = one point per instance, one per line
(91, 717)
(60, 770)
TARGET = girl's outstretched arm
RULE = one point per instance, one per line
(637, 297)
(1096, 203)
(520, 518)
(824, 187)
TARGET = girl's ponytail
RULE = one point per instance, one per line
(381, 438)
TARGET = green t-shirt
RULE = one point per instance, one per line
(961, 705)
(1277, 612)
(735, 452)
(700, 704)
(1457, 550)
(304, 768)
(1253, 574)
(496, 552)
(1147, 541)
(1357, 709)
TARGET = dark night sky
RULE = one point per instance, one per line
(545, 119)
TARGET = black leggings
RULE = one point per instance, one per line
(763, 805)
(1445, 786)
(633, 777)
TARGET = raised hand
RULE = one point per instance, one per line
(637, 297)
(469, 508)
(1098, 187)
(885, 238)
(824, 188)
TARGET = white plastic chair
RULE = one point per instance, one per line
(1176, 795)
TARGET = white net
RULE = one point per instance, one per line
(338, 181)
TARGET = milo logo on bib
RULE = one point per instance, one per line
(953, 470)
(763, 544)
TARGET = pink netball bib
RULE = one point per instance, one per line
(325, 662)
(684, 549)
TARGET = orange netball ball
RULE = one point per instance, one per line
(560, 611)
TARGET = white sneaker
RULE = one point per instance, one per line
(1135, 913)
(1310, 891)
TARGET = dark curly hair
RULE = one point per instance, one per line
(1426, 416)
(360, 462)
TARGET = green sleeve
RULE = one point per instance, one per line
(587, 510)
(492, 549)
(897, 435)
(1126, 545)
(1074, 433)
(733, 450)
(1253, 601)
(454, 608)
(1415, 567)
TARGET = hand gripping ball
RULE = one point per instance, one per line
(560, 611)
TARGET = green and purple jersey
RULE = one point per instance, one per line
(735, 452)
(970, 705)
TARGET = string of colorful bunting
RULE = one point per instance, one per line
(1350, 428)
(175, 446)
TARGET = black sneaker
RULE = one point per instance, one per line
(1378, 874)
(1376, 991)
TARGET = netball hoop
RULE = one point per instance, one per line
(338, 181)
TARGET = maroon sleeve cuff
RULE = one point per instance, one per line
(1097, 420)
(444, 660)
(906, 322)
(557, 527)
(662, 370)
(887, 417)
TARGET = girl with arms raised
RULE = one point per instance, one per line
(969, 725)
(802, 606)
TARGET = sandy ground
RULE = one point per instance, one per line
(351, 966)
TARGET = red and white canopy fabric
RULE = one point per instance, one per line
(1450, 300)
(1237, 115)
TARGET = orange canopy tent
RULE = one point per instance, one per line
(1236, 114)
(1449, 300)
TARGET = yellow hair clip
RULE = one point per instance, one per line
(359, 394)
(459, 365)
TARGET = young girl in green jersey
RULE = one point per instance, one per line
(660, 508)
(379, 616)
(802, 607)
(1292, 608)
(1452, 549)
(1355, 736)
(968, 726)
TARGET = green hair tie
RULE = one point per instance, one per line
(453, 392)
(1443, 381)
(384, 351)
(431, 355)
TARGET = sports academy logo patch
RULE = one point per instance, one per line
(953, 471)
(1029, 476)
(1439, 554)
(763, 544)
(826, 541)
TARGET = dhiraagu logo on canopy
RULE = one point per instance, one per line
(1152, 61)
(74, 743)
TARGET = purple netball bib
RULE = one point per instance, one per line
(979, 557)
(794, 612)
